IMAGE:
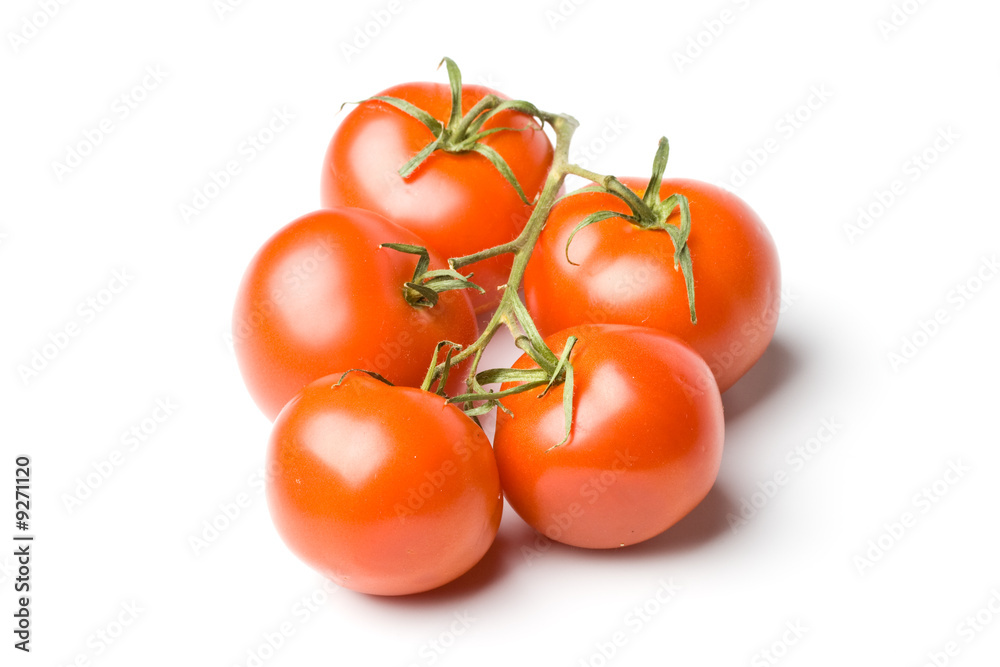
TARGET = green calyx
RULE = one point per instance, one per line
(650, 212)
(424, 290)
(463, 134)
(550, 371)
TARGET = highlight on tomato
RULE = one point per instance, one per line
(644, 448)
(472, 163)
(325, 293)
(385, 490)
(620, 268)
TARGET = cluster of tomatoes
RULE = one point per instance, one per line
(356, 331)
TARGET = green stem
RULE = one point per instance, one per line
(504, 248)
(640, 208)
(577, 170)
(522, 247)
(470, 380)
(462, 126)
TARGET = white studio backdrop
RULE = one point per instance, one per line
(854, 519)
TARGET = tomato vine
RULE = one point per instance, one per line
(462, 134)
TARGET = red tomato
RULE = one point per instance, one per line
(384, 490)
(320, 296)
(626, 274)
(645, 445)
(458, 202)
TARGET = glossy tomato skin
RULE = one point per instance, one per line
(385, 490)
(320, 296)
(458, 202)
(645, 447)
(626, 275)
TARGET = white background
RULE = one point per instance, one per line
(819, 555)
